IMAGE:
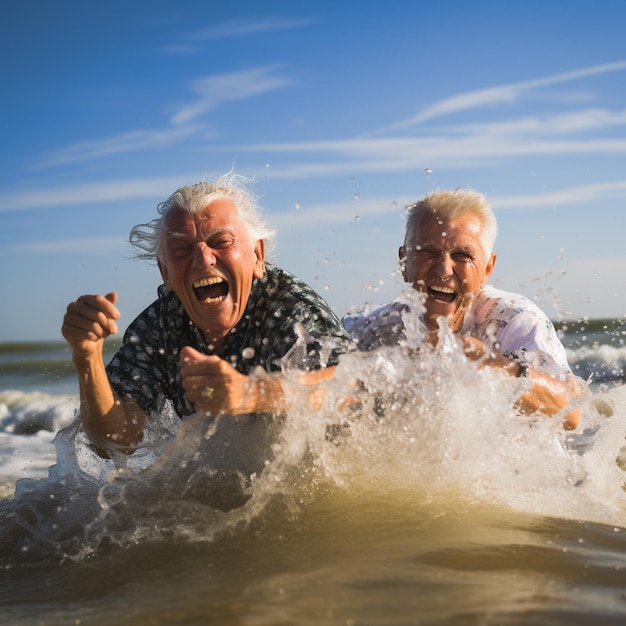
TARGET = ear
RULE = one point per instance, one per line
(259, 266)
(164, 273)
(489, 268)
(402, 258)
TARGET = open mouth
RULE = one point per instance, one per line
(210, 290)
(443, 294)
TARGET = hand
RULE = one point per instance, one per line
(89, 321)
(212, 385)
(474, 349)
(455, 323)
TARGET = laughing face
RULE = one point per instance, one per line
(447, 264)
(210, 263)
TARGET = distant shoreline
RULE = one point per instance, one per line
(32, 345)
(591, 325)
(111, 344)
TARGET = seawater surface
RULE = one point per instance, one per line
(431, 502)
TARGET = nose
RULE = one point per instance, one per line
(445, 265)
(204, 255)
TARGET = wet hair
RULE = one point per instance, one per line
(450, 205)
(148, 240)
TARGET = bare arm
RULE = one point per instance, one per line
(550, 396)
(110, 423)
(547, 394)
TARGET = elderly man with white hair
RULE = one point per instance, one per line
(447, 258)
(222, 314)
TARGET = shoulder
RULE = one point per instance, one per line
(497, 304)
(506, 317)
(280, 282)
(381, 326)
(148, 319)
(367, 317)
(165, 314)
(287, 300)
(507, 298)
(283, 287)
(520, 329)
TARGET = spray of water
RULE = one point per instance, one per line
(414, 424)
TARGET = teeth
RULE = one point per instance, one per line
(205, 282)
(441, 289)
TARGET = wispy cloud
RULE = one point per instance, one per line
(93, 245)
(244, 26)
(301, 217)
(125, 142)
(548, 125)
(578, 194)
(583, 132)
(502, 94)
(212, 91)
(463, 151)
(92, 193)
(333, 213)
(345, 212)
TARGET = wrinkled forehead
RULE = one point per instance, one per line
(218, 216)
(444, 233)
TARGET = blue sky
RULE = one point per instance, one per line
(342, 114)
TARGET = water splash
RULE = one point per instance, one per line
(420, 421)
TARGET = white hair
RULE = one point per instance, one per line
(148, 239)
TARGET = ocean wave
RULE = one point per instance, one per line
(440, 430)
(27, 412)
(601, 363)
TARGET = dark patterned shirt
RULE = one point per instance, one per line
(146, 368)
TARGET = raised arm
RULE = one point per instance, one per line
(110, 423)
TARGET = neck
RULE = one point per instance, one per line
(214, 344)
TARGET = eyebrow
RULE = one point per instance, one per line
(433, 246)
(200, 236)
(429, 246)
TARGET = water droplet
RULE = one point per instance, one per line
(267, 165)
(248, 353)
(357, 218)
(428, 171)
(357, 196)
(297, 205)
